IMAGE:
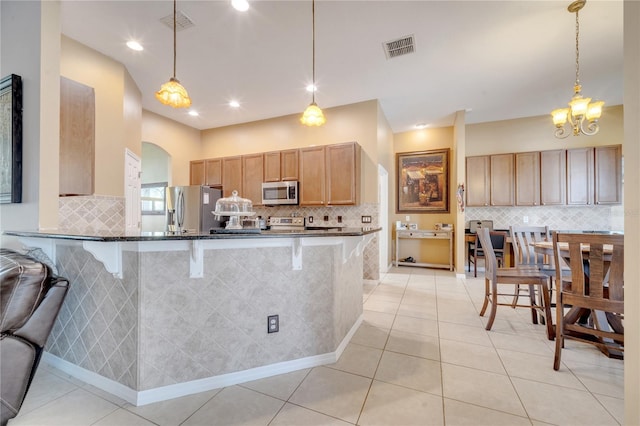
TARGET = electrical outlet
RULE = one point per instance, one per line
(326, 218)
(310, 220)
(525, 219)
(339, 219)
(273, 324)
(366, 219)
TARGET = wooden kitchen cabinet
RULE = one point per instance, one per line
(213, 171)
(312, 176)
(196, 172)
(608, 174)
(478, 173)
(502, 180)
(580, 176)
(232, 176)
(553, 177)
(205, 172)
(281, 165)
(342, 174)
(527, 178)
(252, 176)
(77, 138)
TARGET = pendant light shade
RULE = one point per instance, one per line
(172, 93)
(313, 115)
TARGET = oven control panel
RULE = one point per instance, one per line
(293, 222)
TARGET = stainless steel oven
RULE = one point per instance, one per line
(277, 193)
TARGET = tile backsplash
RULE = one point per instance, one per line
(91, 213)
(568, 218)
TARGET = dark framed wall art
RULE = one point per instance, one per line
(11, 142)
(423, 181)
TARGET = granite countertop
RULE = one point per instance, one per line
(169, 236)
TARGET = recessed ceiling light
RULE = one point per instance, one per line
(134, 45)
(240, 5)
(421, 126)
(193, 113)
(312, 88)
(234, 104)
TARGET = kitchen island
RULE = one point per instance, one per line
(156, 316)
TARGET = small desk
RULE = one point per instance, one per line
(425, 234)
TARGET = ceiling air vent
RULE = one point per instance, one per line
(401, 46)
(182, 21)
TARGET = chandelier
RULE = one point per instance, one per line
(582, 114)
(172, 93)
(313, 115)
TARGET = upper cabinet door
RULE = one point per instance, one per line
(77, 138)
(608, 174)
(312, 176)
(502, 180)
(289, 164)
(232, 176)
(478, 181)
(528, 178)
(252, 175)
(553, 172)
(213, 171)
(580, 176)
(343, 171)
(196, 172)
(272, 166)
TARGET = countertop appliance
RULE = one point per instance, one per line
(189, 208)
(475, 224)
(286, 223)
(279, 193)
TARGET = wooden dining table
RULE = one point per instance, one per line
(580, 314)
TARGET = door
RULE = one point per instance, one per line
(132, 178)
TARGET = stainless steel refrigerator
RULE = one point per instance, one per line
(189, 208)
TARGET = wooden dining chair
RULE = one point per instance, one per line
(496, 282)
(595, 289)
(523, 238)
(498, 241)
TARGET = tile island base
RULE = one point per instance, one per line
(154, 331)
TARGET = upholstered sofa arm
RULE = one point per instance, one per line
(38, 327)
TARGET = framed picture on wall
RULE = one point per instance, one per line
(11, 139)
(423, 181)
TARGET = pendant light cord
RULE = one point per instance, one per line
(313, 50)
(577, 49)
(174, 39)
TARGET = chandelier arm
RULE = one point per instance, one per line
(561, 132)
(592, 127)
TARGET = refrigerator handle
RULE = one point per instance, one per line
(180, 210)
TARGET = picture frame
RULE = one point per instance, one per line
(422, 181)
(11, 139)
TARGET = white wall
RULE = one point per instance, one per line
(35, 59)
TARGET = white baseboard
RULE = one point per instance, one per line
(201, 385)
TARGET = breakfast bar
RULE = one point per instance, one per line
(156, 316)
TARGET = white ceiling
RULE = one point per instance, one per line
(496, 59)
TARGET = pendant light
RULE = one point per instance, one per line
(172, 93)
(313, 115)
(581, 112)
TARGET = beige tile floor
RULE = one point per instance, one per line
(421, 357)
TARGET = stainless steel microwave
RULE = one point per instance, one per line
(276, 193)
